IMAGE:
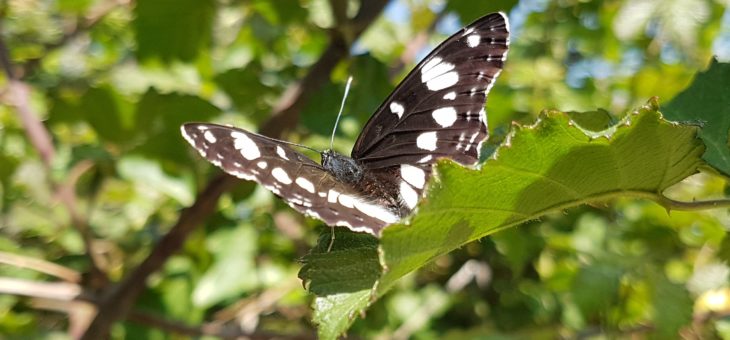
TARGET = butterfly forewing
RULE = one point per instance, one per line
(437, 111)
(301, 182)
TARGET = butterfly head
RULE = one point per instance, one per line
(342, 167)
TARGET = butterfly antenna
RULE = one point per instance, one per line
(298, 145)
(342, 106)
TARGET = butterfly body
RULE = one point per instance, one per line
(436, 112)
(342, 167)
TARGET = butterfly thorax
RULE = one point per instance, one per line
(344, 168)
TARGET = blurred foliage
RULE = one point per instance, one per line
(112, 80)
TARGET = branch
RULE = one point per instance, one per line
(41, 266)
(62, 291)
(671, 204)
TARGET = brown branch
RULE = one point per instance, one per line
(41, 266)
(63, 291)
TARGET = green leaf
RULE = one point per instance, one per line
(341, 277)
(672, 308)
(158, 119)
(707, 101)
(249, 95)
(107, 113)
(233, 272)
(471, 10)
(173, 29)
(550, 166)
(598, 120)
(149, 174)
(596, 288)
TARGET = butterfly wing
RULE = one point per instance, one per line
(298, 180)
(437, 111)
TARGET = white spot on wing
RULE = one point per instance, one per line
(305, 184)
(262, 164)
(313, 213)
(249, 149)
(473, 40)
(281, 153)
(410, 196)
(471, 141)
(425, 159)
(450, 96)
(427, 141)
(397, 108)
(413, 175)
(347, 200)
(445, 116)
(332, 196)
(429, 65)
(438, 75)
(280, 175)
(209, 136)
(376, 211)
(443, 81)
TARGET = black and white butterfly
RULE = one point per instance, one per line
(437, 111)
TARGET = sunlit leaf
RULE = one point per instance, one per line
(551, 165)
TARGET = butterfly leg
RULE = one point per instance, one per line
(332, 239)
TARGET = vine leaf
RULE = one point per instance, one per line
(552, 165)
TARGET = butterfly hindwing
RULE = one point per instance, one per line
(298, 180)
(437, 111)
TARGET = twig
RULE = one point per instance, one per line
(671, 204)
(42, 266)
(63, 291)
(248, 310)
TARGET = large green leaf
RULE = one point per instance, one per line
(707, 101)
(553, 165)
(173, 29)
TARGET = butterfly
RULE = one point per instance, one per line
(437, 111)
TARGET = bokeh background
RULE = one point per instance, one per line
(94, 175)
